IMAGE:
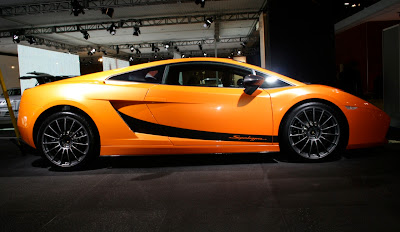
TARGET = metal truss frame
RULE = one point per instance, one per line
(130, 23)
(65, 5)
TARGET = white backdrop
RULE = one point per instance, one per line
(113, 63)
(54, 63)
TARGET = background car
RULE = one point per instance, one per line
(168, 107)
(15, 98)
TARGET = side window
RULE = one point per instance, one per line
(271, 81)
(208, 75)
(148, 75)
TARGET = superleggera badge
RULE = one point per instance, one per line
(238, 137)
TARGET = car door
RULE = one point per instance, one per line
(203, 103)
(127, 93)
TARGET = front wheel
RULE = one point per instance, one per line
(313, 131)
(67, 140)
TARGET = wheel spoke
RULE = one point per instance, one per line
(72, 125)
(296, 127)
(65, 124)
(308, 120)
(83, 144)
(85, 135)
(50, 136)
(327, 140)
(326, 120)
(50, 142)
(309, 152)
(329, 134)
(320, 117)
(299, 141)
(58, 134)
(77, 149)
(300, 121)
(76, 131)
(304, 145)
(296, 135)
(73, 153)
(313, 113)
(329, 127)
(316, 146)
(322, 144)
(59, 128)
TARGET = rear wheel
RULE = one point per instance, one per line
(67, 140)
(313, 131)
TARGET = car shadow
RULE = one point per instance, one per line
(162, 161)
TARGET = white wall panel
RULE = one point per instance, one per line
(54, 63)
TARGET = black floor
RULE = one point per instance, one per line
(247, 192)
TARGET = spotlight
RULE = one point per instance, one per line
(112, 29)
(132, 48)
(76, 8)
(208, 22)
(200, 47)
(108, 11)
(183, 56)
(239, 52)
(130, 58)
(138, 51)
(201, 2)
(91, 52)
(136, 31)
(166, 46)
(31, 39)
(16, 38)
(204, 54)
(100, 59)
(85, 34)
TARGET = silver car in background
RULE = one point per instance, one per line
(15, 98)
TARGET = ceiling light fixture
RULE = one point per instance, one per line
(132, 48)
(92, 52)
(85, 34)
(112, 29)
(31, 39)
(208, 22)
(201, 2)
(16, 38)
(77, 8)
(136, 31)
(108, 11)
(130, 58)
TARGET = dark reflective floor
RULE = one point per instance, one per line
(245, 192)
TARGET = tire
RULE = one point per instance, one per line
(313, 132)
(67, 140)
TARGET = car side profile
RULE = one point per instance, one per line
(193, 106)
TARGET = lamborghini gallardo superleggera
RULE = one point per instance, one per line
(193, 106)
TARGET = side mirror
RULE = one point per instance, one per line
(251, 83)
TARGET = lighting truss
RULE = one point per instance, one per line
(65, 5)
(130, 23)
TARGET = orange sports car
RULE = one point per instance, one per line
(195, 105)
